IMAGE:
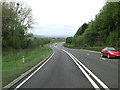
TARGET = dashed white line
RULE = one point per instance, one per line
(93, 75)
(102, 58)
(88, 54)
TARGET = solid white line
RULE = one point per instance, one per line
(35, 71)
(90, 51)
(95, 77)
(84, 72)
(103, 58)
(88, 54)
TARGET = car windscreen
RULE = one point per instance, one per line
(112, 49)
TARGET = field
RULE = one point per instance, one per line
(13, 66)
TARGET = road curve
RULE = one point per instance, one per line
(60, 71)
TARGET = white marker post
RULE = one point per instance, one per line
(23, 58)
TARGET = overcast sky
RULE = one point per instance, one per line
(62, 17)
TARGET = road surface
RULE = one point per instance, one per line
(74, 68)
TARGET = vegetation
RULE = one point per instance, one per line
(82, 29)
(32, 43)
(16, 42)
(14, 67)
(103, 31)
(54, 40)
(16, 18)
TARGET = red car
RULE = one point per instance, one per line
(110, 52)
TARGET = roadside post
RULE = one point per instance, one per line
(23, 58)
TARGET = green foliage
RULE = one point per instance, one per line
(54, 40)
(13, 31)
(103, 31)
(82, 29)
(14, 28)
(29, 35)
(69, 40)
(37, 42)
(68, 45)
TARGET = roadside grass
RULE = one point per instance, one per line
(12, 65)
(94, 48)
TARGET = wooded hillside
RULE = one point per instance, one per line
(103, 31)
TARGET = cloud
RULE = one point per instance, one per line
(59, 26)
(60, 13)
(54, 30)
(68, 12)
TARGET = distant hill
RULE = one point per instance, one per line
(41, 36)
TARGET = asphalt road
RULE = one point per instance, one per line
(61, 71)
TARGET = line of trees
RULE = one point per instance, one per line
(16, 19)
(103, 31)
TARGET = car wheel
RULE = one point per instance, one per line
(108, 56)
(102, 55)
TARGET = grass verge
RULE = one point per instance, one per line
(86, 48)
(12, 65)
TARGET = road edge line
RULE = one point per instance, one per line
(84, 72)
(34, 72)
(26, 73)
(93, 75)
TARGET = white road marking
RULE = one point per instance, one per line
(34, 72)
(55, 46)
(93, 75)
(84, 72)
(90, 51)
(88, 54)
(103, 58)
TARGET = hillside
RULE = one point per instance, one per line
(103, 31)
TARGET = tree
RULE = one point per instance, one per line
(82, 29)
(23, 12)
(69, 40)
(103, 31)
(16, 20)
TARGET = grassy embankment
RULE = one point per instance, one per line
(86, 48)
(13, 65)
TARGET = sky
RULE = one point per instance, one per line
(62, 18)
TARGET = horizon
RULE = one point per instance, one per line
(62, 17)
